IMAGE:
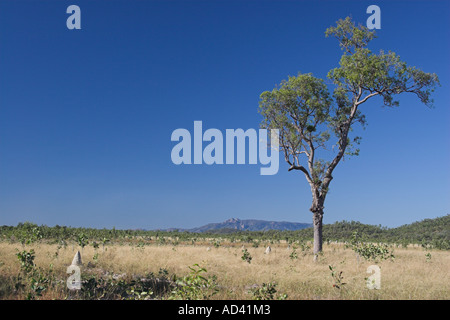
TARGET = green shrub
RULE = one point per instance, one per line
(293, 254)
(371, 251)
(246, 256)
(195, 286)
(32, 280)
(266, 292)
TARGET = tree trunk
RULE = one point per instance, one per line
(317, 221)
(317, 210)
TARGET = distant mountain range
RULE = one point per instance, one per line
(235, 224)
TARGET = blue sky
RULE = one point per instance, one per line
(86, 115)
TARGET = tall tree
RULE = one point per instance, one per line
(311, 120)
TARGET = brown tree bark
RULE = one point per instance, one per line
(317, 222)
(317, 210)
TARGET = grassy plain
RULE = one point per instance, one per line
(412, 275)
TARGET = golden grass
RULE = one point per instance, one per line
(410, 276)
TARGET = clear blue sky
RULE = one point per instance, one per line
(86, 115)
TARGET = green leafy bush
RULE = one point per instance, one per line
(31, 280)
(195, 286)
(266, 292)
(246, 256)
(293, 254)
(371, 251)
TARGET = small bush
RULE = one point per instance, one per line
(195, 286)
(32, 280)
(370, 251)
(246, 256)
(293, 254)
(266, 292)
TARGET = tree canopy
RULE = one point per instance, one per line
(311, 118)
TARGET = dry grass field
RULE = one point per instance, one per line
(410, 276)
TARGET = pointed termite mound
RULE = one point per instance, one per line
(77, 259)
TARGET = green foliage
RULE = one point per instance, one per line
(95, 287)
(195, 286)
(136, 295)
(432, 233)
(216, 244)
(266, 292)
(38, 284)
(312, 122)
(305, 248)
(32, 279)
(350, 36)
(299, 107)
(384, 74)
(104, 242)
(440, 244)
(293, 254)
(246, 256)
(82, 240)
(141, 245)
(308, 116)
(26, 260)
(338, 278)
(29, 233)
(371, 251)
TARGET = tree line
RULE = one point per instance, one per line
(433, 233)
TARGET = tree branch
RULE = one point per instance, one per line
(357, 103)
(302, 169)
